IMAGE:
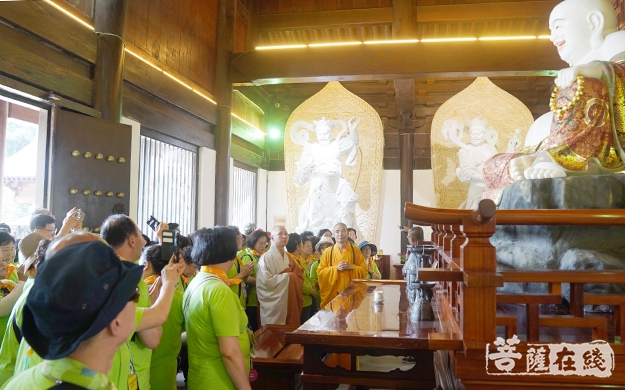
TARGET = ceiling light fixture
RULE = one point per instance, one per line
(508, 38)
(247, 123)
(71, 15)
(334, 44)
(278, 47)
(392, 41)
(426, 40)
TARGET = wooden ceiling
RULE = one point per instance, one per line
(283, 79)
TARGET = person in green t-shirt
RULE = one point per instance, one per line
(101, 308)
(368, 250)
(323, 244)
(239, 270)
(294, 247)
(124, 236)
(256, 244)
(164, 364)
(217, 334)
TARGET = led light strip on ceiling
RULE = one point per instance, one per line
(146, 61)
(399, 41)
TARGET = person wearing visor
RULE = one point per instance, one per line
(369, 250)
(78, 337)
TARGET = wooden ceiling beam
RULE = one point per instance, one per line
(486, 11)
(425, 14)
(321, 19)
(535, 57)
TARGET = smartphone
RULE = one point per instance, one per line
(153, 222)
(170, 245)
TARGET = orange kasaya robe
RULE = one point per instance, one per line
(332, 281)
(296, 298)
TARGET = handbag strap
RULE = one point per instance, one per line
(188, 301)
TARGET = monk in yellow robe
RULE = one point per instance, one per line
(339, 265)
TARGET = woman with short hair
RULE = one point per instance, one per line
(216, 323)
(256, 244)
(164, 363)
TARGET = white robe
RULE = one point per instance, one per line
(272, 287)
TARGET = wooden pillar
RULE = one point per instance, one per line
(110, 25)
(226, 17)
(4, 116)
(405, 19)
(404, 93)
(251, 39)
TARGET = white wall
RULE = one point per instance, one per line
(389, 214)
(206, 188)
(261, 199)
(135, 151)
(276, 197)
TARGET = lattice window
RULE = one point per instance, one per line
(167, 185)
(243, 196)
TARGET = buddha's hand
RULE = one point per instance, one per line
(566, 77)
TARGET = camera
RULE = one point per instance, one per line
(170, 244)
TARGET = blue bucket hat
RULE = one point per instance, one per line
(374, 249)
(77, 292)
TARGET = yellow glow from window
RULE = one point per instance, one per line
(449, 39)
(392, 41)
(66, 12)
(508, 38)
(247, 123)
(334, 44)
(280, 47)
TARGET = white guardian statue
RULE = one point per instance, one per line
(331, 199)
(472, 156)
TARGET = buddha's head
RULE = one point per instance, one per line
(580, 26)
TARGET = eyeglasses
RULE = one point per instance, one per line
(47, 230)
(135, 296)
(283, 234)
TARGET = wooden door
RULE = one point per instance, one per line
(89, 167)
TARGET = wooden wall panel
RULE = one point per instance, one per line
(180, 34)
(619, 6)
(268, 7)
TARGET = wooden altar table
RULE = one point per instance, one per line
(353, 324)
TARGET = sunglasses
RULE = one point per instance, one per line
(135, 296)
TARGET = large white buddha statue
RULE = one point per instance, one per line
(585, 131)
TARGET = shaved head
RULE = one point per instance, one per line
(69, 239)
(584, 7)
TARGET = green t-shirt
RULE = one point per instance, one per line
(375, 269)
(238, 289)
(246, 258)
(164, 365)
(314, 279)
(142, 355)
(10, 345)
(211, 313)
(44, 376)
(4, 320)
(120, 370)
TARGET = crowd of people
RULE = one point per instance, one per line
(111, 311)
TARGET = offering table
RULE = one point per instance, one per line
(354, 324)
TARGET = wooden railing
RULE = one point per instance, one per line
(465, 267)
